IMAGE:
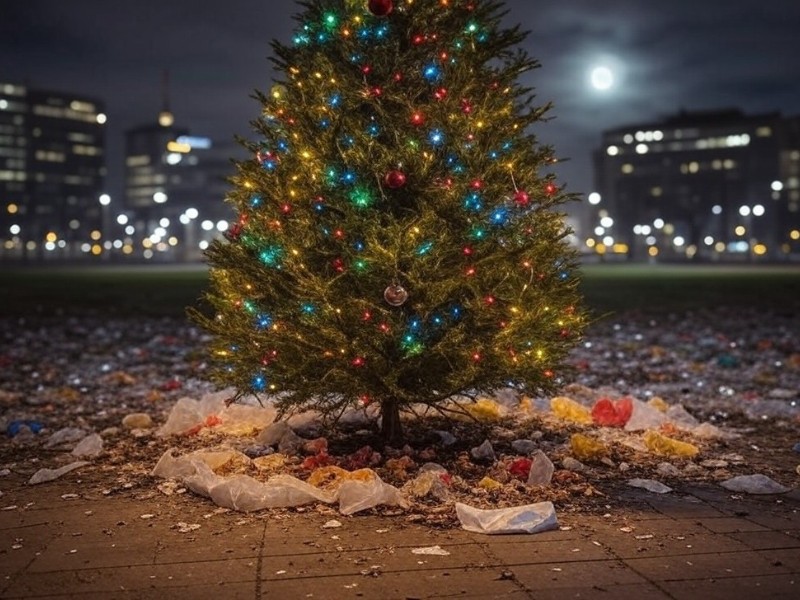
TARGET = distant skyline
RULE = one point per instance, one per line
(660, 57)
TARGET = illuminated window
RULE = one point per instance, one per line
(137, 161)
(764, 131)
(627, 168)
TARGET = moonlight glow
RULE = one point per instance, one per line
(602, 78)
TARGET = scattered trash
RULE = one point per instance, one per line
(610, 413)
(668, 470)
(88, 447)
(644, 416)
(714, 463)
(487, 483)
(520, 467)
(483, 453)
(650, 485)
(189, 416)
(332, 524)
(137, 421)
(532, 518)
(663, 445)
(569, 410)
(244, 493)
(484, 409)
(67, 435)
(754, 484)
(45, 475)
(524, 447)
(430, 551)
(541, 469)
(428, 483)
(187, 527)
(587, 449)
(446, 438)
(15, 427)
(572, 464)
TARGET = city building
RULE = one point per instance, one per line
(52, 173)
(717, 185)
(175, 185)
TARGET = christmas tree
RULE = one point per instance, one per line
(397, 240)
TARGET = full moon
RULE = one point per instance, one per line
(602, 78)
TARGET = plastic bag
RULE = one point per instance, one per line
(355, 496)
(650, 485)
(542, 469)
(431, 483)
(569, 410)
(485, 409)
(587, 449)
(644, 416)
(190, 416)
(44, 475)
(532, 518)
(67, 435)
(90, 446)
(663, 445)
(483, 453)
(244, 493)
(609, 413)
(754, 484)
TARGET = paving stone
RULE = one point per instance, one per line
(763, 540)
(138, 577)
(586, 574)
(765, 587)
(703, 566)
(638, 591)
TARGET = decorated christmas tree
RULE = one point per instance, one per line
(398, 242)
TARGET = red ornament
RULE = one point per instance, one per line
(550, 188)
(417, 119)
(466, 106)
(440, 93)
(380, 8)
(521, 198)
(395, 294)
(234, 231)
(395, 179)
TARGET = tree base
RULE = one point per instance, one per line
(391, 427)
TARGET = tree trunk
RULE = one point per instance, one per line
(391, 427)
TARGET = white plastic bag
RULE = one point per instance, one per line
(754, 484)
(88, 447)
(542, 469)
(532, 518)
(644, 417)
(44, 475)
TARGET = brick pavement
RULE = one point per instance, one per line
(700, 543)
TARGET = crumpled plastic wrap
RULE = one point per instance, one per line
(190, 416)
(531, 518)
(245, 493)
(754, 484)
(44, 475)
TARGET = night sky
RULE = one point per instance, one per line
(665, 55)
